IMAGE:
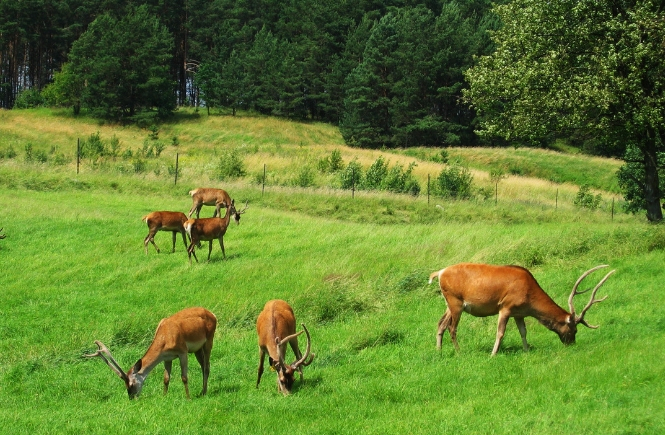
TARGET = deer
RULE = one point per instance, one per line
(276, 326)
(209, 229)
(188, 331)
(210, 196)
(164, 221)
(510, 291)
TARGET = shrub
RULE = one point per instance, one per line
(352, 175)
(11, 152)
(28, 99)
(305, 177)
(28, 153)
(587, 199)
(376, 174)
(454, 182)
(399, 181)
(93, 147)
(231, 166)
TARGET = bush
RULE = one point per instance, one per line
(352, 175)
(93, 147)
(28, 99)
(454, 182)
(231, 166)
(376, 174)
(305, 177)
(332, 163)
(399, 181)
(587, 199)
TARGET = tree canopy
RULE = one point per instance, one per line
(586, 67)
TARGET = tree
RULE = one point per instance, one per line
(125, 66)
(585, 67)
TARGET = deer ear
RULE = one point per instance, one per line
(137, 366)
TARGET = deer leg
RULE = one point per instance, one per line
(221, 245)
(500, 331)
(522, 328)
(209, 250)
(262, 355)
(190, 252)
(204, 361)
(452, 328)
(183, 372)
(184, 239)
(150, 238)
(443, 325)
(167, 375)
(174, 236)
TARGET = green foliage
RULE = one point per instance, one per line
(454, 182)
(586, 199)
(352, 175)
(375, 174)
(29, 98)
(305, 177)
(124, 64)
(231, 165)
(332, 163)
(93, 147)
(604, 54)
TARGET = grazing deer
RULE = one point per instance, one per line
(210, 196)
(209, 229)
(509, 291)
(276, 326)
(188, 331)
(164, 221)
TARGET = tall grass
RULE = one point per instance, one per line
(355, 270)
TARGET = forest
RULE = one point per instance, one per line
(389, 74)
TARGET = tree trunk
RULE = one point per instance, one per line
(652, 194)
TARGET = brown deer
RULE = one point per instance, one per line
(164, 221)
(276, 326)
(188, 331)
(209, 229)
(210, 196)
(509, 291)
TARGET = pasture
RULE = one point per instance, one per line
(355, 271)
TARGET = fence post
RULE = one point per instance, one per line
(427, 189)
(78, 155)
(612, 208)
(176, 169)
(264, 180)
(353, 182)
(496, 193)
(556, 203)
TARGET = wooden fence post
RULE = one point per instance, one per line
(176, 169)
(78, 154)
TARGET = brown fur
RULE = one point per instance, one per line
(509, 291)
(191, 330)
(275, 324)
(164, 221)
(209, 196)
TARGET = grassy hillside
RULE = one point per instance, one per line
(354, 269)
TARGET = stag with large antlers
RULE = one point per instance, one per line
(164, 221)
(276, 326)
(209, 229)
(210, 196)
(188, 331)
(509, 291)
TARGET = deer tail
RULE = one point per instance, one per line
(435, 275)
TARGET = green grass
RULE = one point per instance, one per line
(355, 270)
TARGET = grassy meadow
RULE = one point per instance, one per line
(354, 269)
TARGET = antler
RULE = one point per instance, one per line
(593, 300)
(103, 353)
(303, 361)
(243, 210)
